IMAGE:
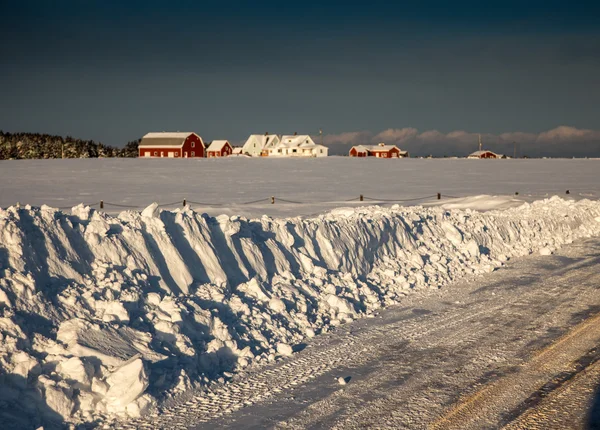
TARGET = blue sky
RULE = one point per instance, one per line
(112, 72)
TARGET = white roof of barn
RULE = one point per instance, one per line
(381, 147)
(168, 135)
(217, 145)
(163, 139)
(360, 148)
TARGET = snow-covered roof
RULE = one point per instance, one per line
(360, 148)
(381, 147)
(163, 139)
(168, 135)
(293, 141)
(263, 139)
(238, 150)
(217, 145)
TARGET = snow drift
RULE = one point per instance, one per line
(100, 316)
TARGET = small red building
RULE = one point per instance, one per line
(219, 148)
(484, 154)
(172, 145)
(380, 151)
(359, 151)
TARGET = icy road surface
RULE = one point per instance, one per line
(488, 352)
(243, 186)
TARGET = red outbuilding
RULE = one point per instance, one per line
(380, 151)
(484, 154)
(172, 145)
(359, 151)
(219, 148)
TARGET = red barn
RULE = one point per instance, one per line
(172, 145)
(219, 148)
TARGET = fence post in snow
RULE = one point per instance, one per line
(101, 204)
(183, 202)
(568, 192)
(272, 200)
(361, 197)
(439, 196)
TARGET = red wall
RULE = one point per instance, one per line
(158, 151)
(225, 151)
(385, 154)
(355, 153)
(198, 149)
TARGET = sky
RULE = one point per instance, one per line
(429, 75)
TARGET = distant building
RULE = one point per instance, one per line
(485, 154)
(171, 145)
(219, 148)
(257, 143)
(359, 151)
(380, 150)
(237, 150)
(296, 146)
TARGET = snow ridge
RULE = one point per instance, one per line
(100, 316)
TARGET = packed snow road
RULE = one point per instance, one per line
(488, 352)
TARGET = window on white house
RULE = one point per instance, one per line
(294, 150)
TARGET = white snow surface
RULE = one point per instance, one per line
(102, 316)
(226, 185)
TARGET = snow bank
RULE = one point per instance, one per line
(102, 315)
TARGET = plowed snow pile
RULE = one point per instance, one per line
(102, 315)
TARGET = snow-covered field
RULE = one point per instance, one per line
(319, 184)
(101, 316)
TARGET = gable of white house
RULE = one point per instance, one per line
(257, 142)
(297, 146)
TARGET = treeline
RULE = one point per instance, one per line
(22, 146)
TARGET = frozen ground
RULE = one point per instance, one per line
(320, 184)
(104, 316)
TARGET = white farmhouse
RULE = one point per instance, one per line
(257, 143)
(297, 146)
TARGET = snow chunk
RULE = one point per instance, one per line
(115, 312)
(152, 211)
(126, 384)
(76, 370)
(284, 349)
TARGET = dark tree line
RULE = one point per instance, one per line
(21, 146)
